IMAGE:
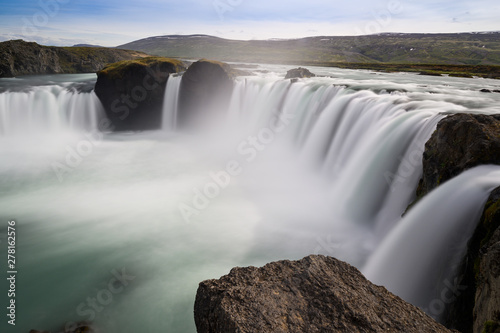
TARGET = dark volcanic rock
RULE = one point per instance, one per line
(480, 301)
(487, 268)
(205, 92)
(460, 142)
(298, 73)
(132, 91)
(18, 57)
(315, 294)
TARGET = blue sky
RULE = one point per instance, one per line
(115, 22)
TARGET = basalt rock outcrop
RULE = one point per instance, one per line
(18, 57)
(205, 93)
(460, 142)
(478, 305)
(22, 58)
(298, 73)
(315, 294)
(132, 91)
(486, 311)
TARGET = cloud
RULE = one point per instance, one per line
(114, 22)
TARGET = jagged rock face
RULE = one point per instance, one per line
(479, 302)
(18, 57)
(315, 294)
(298, 73)
(132, 92)
(460, 142)
(487, 296)
(205, 93)
(22, 58)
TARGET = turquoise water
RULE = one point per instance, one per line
(103, 234)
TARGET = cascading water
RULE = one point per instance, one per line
(418, 260)
(170, 103)
(47, 109)
(324, 165)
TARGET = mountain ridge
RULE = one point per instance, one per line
(18, 57)
(470, 48)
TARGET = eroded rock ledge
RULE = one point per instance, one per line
(315, 294)
(460, 142)
(132, 91)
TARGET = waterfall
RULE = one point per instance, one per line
(47, 109)
(419, 258)
(170, 103)
(328, 166)
(368, 146)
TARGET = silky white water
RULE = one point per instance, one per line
(324, 165)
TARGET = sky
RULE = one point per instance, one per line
(116, 22)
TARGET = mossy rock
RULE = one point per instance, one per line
(491, 327)
(132, 91)
(120, 69)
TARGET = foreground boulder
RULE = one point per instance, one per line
(460, 142)
(315, 294)
(132, 91)
(298, 73)
(205, 93)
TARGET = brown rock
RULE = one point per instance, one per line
(132, 91)
(205, 93)
(315, 294)
(18, 57)
(460, 142)
(299, 73)
(487, 296)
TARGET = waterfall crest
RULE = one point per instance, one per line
(48, 109)
(170, 103)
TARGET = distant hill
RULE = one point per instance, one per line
(18, 57)
(86, 45)
(453, 49)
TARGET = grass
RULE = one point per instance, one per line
(490, 326)
(396, 49)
